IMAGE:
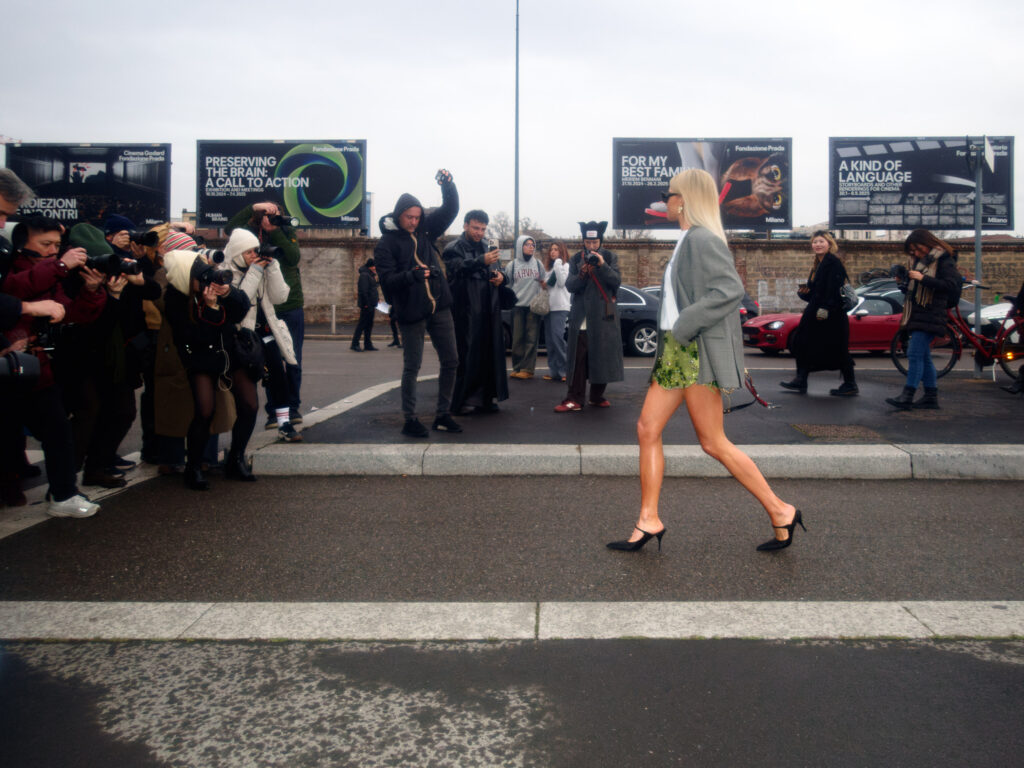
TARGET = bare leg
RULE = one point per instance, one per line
(659, 405)
(705, 407)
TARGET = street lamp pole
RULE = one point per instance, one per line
(515, 215)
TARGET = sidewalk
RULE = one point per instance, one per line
(976, 434)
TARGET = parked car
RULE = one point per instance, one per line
(873, 322)
(748, 308)
(638, 312)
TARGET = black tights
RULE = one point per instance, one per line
(243, 389)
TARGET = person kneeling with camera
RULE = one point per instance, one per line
(202, 309)
(264, 343)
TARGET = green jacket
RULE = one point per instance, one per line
(284, 238)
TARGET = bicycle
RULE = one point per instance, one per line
(1006, 347)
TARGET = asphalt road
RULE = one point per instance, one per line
(625, 702)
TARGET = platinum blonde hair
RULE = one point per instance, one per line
(700, 200)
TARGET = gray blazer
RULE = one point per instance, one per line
(708, 293)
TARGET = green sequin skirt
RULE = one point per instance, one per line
(677, 367)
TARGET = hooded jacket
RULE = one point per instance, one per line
(285, 239)
(401, 257)
(523, 274)
(265, 287)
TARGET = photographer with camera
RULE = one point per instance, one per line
(595, 338)
(264, 343)
(104, 367)
(38, 275)
(269, 222)
(202, 309)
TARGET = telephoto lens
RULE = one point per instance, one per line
(148, 239)
(268, 252)
(211, 254)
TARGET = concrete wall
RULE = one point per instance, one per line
(771, 270)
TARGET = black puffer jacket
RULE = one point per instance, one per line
(367, 289)
(930, 316)
(400, 258)
(205, 337)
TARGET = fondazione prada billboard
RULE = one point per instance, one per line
(753, 177)
(910, 183)
(320, 183)
(88, 182)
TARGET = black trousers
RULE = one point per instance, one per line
(42, 412)
(578, 385)
(103, 414)
(364, 327)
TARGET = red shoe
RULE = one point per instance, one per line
(568, 405)
(601, 404)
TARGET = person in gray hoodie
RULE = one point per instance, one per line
(525, 275)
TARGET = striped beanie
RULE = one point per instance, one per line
(177, 241)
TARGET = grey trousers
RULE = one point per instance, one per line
(441, 329)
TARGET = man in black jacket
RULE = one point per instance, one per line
(414, 284)
(367, 297)
(476, 280)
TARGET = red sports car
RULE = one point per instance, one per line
(873, 323)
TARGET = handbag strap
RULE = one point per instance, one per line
(601, 289)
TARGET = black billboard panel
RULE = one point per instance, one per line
(910, 183)
(321, 183)
(88, 182)
(753, 176)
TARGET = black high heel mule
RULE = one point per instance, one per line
(773, 544)
(633, 546)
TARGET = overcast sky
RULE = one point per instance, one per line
(431, 84)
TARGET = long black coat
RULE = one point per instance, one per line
(824, 345)
(476, 309)
(604, 335)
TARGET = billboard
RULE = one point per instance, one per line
(753, 176)
(907, 183)
(321, 183)
(88, 182)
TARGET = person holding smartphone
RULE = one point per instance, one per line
(477, 285)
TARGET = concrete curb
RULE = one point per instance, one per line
(836, 462)
(510, 621)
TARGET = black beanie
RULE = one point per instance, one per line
(593, 229)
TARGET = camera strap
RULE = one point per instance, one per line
(609, 303)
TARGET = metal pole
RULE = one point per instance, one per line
(978, 150)
(515, 219)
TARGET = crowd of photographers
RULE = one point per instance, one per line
(88, 316)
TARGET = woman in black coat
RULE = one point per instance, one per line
(821, 342)
(933, 284)
(203, 314)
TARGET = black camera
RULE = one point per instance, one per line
(268, 252)
(6, 258)
(593, 260)
(112, 265)
(282, 221)
(147, 239)
(215, 277)
(50, 335)
(19, 368)
(211, 254)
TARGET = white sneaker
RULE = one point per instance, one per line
(76, 506)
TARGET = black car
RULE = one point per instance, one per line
(638, 312)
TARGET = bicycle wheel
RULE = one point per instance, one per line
(946, 351)
(1011, 350)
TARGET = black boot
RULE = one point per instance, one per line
(799, 382)
(195, 479)
(905, 401)
(929, 401)
(849, 386)
(235, 466)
